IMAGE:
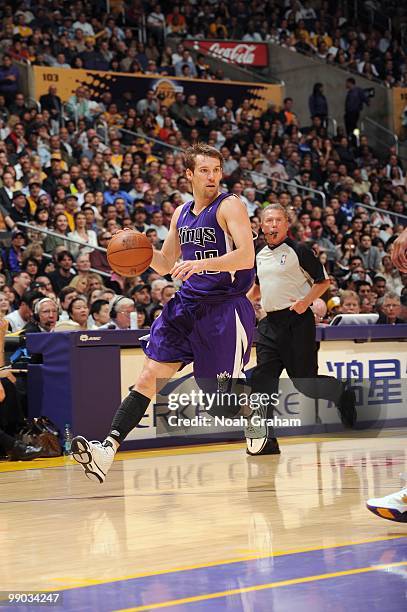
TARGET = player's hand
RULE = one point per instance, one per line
(185, 269)
(300, 306)
(399, 253)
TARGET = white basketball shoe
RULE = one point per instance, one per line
(392, 507)
(95, 457)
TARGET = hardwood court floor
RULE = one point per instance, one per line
(208, 528)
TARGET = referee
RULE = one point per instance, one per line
(289, 278)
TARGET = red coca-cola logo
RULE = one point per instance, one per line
(246, 54)
(240, 54)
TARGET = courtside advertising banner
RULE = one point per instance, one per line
(376, 375)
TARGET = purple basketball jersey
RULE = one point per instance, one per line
(201, 237)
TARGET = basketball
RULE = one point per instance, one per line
(129, 253)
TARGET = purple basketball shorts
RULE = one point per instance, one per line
(216, 337)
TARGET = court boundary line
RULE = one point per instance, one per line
(261, 587)
(253, 557)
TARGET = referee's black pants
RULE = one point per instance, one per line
(287, 340)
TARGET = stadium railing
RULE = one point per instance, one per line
(380, 137)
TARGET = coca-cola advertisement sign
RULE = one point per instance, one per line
(242, 53)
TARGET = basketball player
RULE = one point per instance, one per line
(394, 506)
(209, 321)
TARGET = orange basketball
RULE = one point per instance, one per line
(129, 253)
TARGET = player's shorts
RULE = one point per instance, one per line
(216, 337)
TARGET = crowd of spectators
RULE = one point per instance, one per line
(83, 189)
(134, 37)
(344, 199)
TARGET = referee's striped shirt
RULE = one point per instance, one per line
(285, 273)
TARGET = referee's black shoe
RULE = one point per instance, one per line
(346, 407)
(258, 439)
(269, 446)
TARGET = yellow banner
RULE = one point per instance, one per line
(66, 81)
(399, 107)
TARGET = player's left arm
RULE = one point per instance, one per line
(234, 220)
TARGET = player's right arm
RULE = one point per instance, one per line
(163, 261)
(399, 253)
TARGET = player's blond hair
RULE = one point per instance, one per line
(201, 148)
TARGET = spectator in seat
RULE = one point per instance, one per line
(379, 285)
(21, 283)
(20, 317)
(13, 255)
(389, 309)
(80, 232)
(100, 313)
(350, 303)
(63, 274)
(392, 275)
(324, 243)
(65, 297)
(98, 259)
(152, 235)
(20, 210)
(6, 192)
(141, 295)
(52, 103)
(80, 284)
(115, 192)
(369, 254)
(78, 312)
(61, 228)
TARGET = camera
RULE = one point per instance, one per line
(369, 92)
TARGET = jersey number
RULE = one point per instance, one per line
(207, 255)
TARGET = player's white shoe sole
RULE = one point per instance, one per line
(95, 458)
(391, 507)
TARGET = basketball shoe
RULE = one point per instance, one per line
(392, 507)
(95, 457)
(257, 434)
